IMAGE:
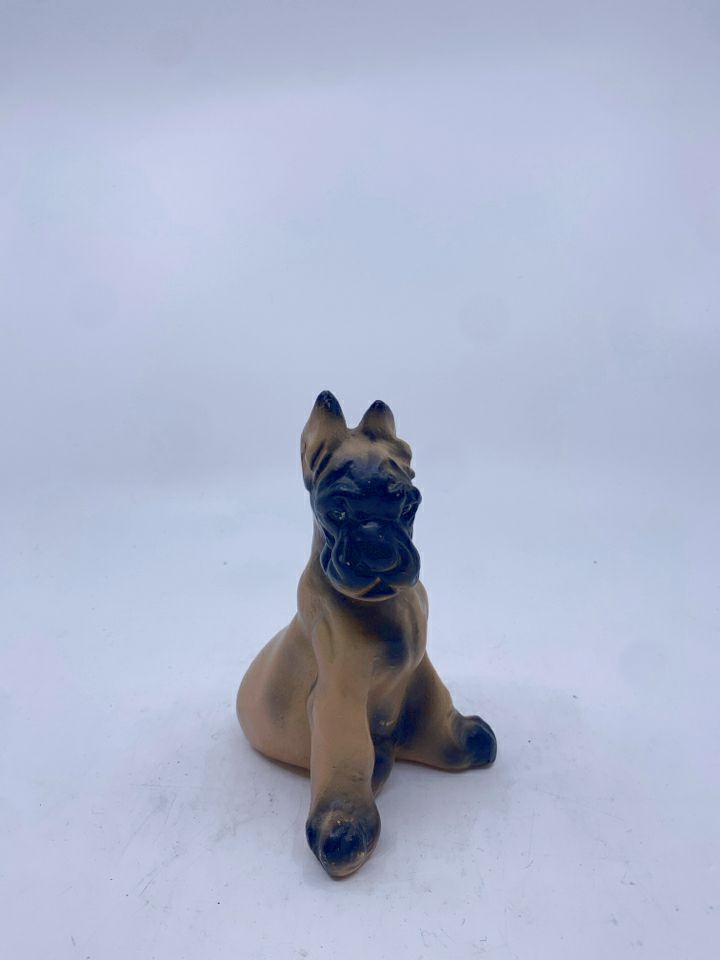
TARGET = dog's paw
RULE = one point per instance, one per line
(479, 742)
(475, 744)
(341, 837)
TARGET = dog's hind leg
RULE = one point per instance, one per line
(432, 731)
(272, 699)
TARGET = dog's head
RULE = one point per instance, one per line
(361, 493)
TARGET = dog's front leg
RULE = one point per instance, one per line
(343, 825)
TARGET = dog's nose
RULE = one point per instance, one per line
(377, 551)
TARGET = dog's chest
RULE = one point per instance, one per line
(398, 642)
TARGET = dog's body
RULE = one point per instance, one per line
(347, 687)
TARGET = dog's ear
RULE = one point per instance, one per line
(378, 423)
(324, 431)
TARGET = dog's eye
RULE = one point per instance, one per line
(337, 515)
(409, 511)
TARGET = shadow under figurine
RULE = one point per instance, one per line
(347, 687)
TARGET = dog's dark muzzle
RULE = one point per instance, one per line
(372, 549)
(367, 552)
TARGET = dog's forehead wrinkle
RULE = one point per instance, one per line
(323, 463)
(342, 488)
(316, 455)
(334, 476)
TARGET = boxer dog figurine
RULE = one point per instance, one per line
(347, 687)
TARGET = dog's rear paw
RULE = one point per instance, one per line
(475, 744)
(342, 839)
(479, 742)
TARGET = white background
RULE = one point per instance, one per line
(503, 220)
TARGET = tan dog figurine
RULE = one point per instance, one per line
(347, 687)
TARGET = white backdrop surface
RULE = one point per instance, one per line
(506, 224)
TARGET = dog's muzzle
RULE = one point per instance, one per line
(372, 550)
(372, 558)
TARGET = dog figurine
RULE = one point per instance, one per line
(347, 687)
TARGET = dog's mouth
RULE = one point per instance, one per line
(360, 584)
(377, 591)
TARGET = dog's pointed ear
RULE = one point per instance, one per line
(378, 423)
(324, 431)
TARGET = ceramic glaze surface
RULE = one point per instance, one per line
(347, 687)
